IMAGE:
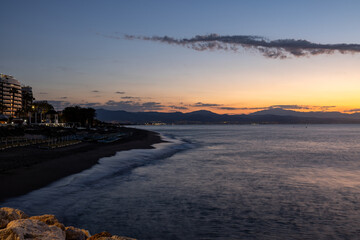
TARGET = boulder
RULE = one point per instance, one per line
(73, 233)
(16, 225)
(9, 214)
(31, 229)
(49, 220)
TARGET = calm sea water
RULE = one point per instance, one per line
(219, 182)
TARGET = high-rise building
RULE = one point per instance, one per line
(10, 95)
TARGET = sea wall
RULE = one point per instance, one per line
(16, 225)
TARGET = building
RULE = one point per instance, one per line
(10, 95)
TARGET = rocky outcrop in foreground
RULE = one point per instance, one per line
(16, 225)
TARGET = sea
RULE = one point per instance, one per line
(218, 182)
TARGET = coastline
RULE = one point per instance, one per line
(27, 168)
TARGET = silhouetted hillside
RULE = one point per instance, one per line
(273, 116)
(283, 112)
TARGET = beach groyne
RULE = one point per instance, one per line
(16, 225)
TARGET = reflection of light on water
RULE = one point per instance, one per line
(329, 177)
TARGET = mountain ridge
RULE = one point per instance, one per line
(284, 112)
(270, 116)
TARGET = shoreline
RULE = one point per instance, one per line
(26, 169)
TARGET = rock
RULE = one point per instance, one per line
(8, 234)
(108, 236)
(73, 233)
(99, 235)
(31, 229)
(49, 220)
(118, 238)
(115, 238)
(9, 214)
(16, 225)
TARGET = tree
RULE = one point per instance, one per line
(42, 107)
(84, 116)
(27, 99)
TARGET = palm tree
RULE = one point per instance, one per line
(42, 108)
(27, 100)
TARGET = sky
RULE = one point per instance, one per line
(112, 54)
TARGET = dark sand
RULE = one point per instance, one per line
(25, 169)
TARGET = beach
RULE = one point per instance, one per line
(24, 169)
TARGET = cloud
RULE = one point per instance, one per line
(152, 105)
(243, 108)
(324, 108)
(222, 107)
(87, 104)
(228, 108)
(178, 107)
(129, 97)
(43, 93)
(95, 91)
(59, 105)
(290, 107)
(200, 104)
(120, 92)
(285, 107)
(281, 48)
(63, 97)
(301, 107)
(132, 106)
(353, 110)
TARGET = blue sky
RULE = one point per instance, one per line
(58, 48)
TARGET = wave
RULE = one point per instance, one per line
(122, 163)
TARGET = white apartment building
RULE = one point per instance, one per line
(10, 95)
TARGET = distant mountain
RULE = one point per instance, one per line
(272, 116)
(283, 112)
(151, 117)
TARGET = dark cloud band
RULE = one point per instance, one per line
(281, 48)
